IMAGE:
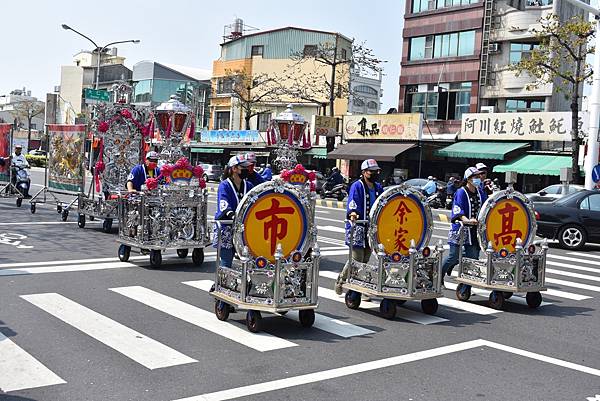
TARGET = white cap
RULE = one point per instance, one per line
(369, 164)
(152, 155)
(251, 157)
(481, 166)
(239, 160)
(471, 171)
(430, 177)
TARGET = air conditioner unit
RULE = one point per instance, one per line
(487, 109)
(494, 47)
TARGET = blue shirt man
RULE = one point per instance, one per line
(138, 175)
(430, 188)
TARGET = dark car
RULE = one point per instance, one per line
(212, 172)
(573, 220)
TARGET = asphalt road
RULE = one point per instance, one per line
(76, 324)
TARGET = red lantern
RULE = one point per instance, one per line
(180, 121)
(283, 129)
(163, 120)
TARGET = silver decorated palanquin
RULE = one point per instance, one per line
(399, 229)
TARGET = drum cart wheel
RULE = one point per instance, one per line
(221, 310)
(155, 258)
(64, 214)
(198, 256)
(534, 299)
(182, 253)
(81, 220)
(253, 321)
(124, 252)
(19, 202)
(496, 300)
(352, 299)
(463, 293)
(307, 317)
(387, 308)
(107, 225)
(429, 306)
(32, 208)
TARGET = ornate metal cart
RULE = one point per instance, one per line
(170, 215)
(275, 237)
(512, 263)
(119, 128)
(407, 269)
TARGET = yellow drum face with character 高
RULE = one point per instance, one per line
(274, 218)
(508, 220)
(400, 221)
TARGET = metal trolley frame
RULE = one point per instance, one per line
(287, 284)
(500, 271)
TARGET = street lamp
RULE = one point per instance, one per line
(591, 158)
(98, 49)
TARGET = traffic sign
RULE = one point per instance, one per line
(596, 173)
(96, 96)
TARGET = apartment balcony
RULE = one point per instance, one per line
(507, 84)
(510, 24)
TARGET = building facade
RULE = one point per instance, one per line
(154, 83)
(365, 93)
(10, 113)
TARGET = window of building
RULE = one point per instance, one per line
(257, 50)
(310, 50)
(222, 119)
(537, 3)
(366, 89)
(263, 121)
(446, 102)
(142, 91)
(344, 54)
(372, 105)
(524, 105)
(224, 85)
(358, 102)
(445, 45)
(162, 89)
(521, 51)
(419, 6)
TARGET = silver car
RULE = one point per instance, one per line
(212, 172)
(552, 193)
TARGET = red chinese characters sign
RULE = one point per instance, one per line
(505, 222)
(399, 222)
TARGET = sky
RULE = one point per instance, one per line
(183, 32)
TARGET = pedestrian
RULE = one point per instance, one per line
(148, 169)
(267, 173)
(229, 194)
(430, 187)
(361, 198)
(253, 177)
(465, 208)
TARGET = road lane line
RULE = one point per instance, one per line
(201, 318)
(571, 266)
(572, 284)
(45, 223)
(334, 229)
(330, 325)
(563, 294)
(22, 371)
(134, 345)
(574, 275)
(584, 254)
(315, 377)
(578, 260)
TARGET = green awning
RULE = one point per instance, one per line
(480, 150)
(536, 164)
(206, 150)
(317, 153)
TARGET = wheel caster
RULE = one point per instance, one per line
(81, 220)
(124, 252)
(221, 310)
(429, 306)
(107, 226)
(283, 313)
(64, 215)
(387, 308)
(198, 256)
(534, 299)
(463, 292)
(352, 299)
(496, 300)
(19, 202)
(253, 321)
(155, 258)
(182, 253)
(58, 209)
(91, 218)
(507, 294)
(32, 208)
(307, 317)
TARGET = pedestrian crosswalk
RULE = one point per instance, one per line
(571, 278)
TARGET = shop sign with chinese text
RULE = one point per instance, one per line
(407, 126)
(536, 126)
(229, 136)
(325, 125)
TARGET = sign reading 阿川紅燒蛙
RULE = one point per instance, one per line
(407, 126)
(231, 136)
(536, 126)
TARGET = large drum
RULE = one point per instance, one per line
(277, 264)
(512, 262)
(406, 268)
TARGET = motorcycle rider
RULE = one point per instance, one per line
(19, 162)
(267, 173)
(431, 187)
(334, 179)
(253, 177)
(139, 173)
(361, 198)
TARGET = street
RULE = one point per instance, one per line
(77, 324)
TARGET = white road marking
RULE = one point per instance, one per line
(44, 223)
(572, 284)
(339, 221)
(584, 254)
(577, 260)
(486, 293)
(563, 294)
(466, 306)
(22, 371)
(201, 318)
(331, 241)
(574, 275)
(334, 326)
(315, 377)
(571, 266)
(334, 229)
(134, 345)
(61, 269)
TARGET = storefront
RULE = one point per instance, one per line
(217, 146)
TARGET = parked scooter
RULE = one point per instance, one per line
(339, 191)
(437, 200)
(22, 181)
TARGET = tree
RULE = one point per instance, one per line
(253, 92)
(561, 59)
(336, 61)
(27, 110)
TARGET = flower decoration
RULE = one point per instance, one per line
(145, 131)
(313, 186)
(103, 126)
(202, 183)
(198, 171)
(126, 113)
(99, 168)
(167, 169)
(312, 176)
(299, 176)
(151, 183)
(183, 163)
